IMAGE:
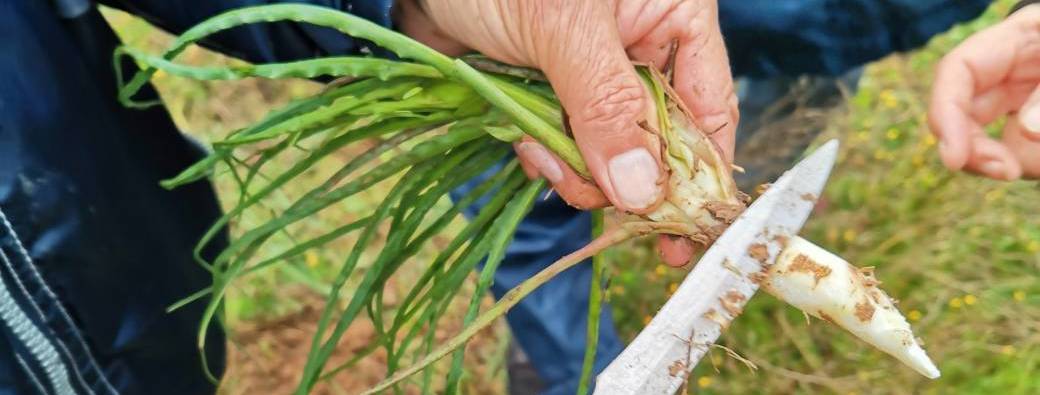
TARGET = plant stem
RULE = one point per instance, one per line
(554, 139)
(595, 307)
(505, 228)
(513, 297)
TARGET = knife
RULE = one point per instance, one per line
(661, 357)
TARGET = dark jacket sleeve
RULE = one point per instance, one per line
(262, 42)
(793, 37)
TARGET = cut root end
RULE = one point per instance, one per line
(827, 287)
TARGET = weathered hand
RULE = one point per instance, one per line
(991, 74)
(585, 48)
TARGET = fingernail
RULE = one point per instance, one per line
(542, 160)
(634, 175)
(993, 168)
(1030, 119)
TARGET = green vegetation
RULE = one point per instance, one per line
(960, 252)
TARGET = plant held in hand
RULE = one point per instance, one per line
(439, 122)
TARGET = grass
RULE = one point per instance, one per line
(960, 252)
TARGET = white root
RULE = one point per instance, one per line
(819, 283)
(827, 287)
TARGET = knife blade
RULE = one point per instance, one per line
(661, 357)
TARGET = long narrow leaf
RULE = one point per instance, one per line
(595, 308)
(319, 355)
(505, 227)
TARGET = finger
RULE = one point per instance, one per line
(653, 51)
(607, 103)
(658, 45)
(413, 22)
(1029, 116)
(576, 191)
(990, 105)
(648, 31)
(702, 74)
(1024, 148)
(948, 112)
(992, 159)
(977, 65)
(675, 251)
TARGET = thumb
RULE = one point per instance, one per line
(1029, 116)
(607, 103)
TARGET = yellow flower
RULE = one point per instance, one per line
(914, 315)
(917, 160)
(704, 382)
(1019, 296)
(892, 134)
(1033, 246)
(672, 287)
(1007, 350)
(956, 303)
(311, 258)
(646, 319)
(888, 99)
(879, 155)
(849, 235)
(660, 270)
(929, 140)
(970, 299)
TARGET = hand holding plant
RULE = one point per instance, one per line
(447, 122)
(586, 49)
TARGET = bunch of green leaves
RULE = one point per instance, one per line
(437, 123)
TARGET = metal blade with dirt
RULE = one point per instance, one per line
(716, 290)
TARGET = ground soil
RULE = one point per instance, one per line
(266, 356)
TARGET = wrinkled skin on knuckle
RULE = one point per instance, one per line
(492, 27)
(612, 104)
(535, 20)
(551, 30)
